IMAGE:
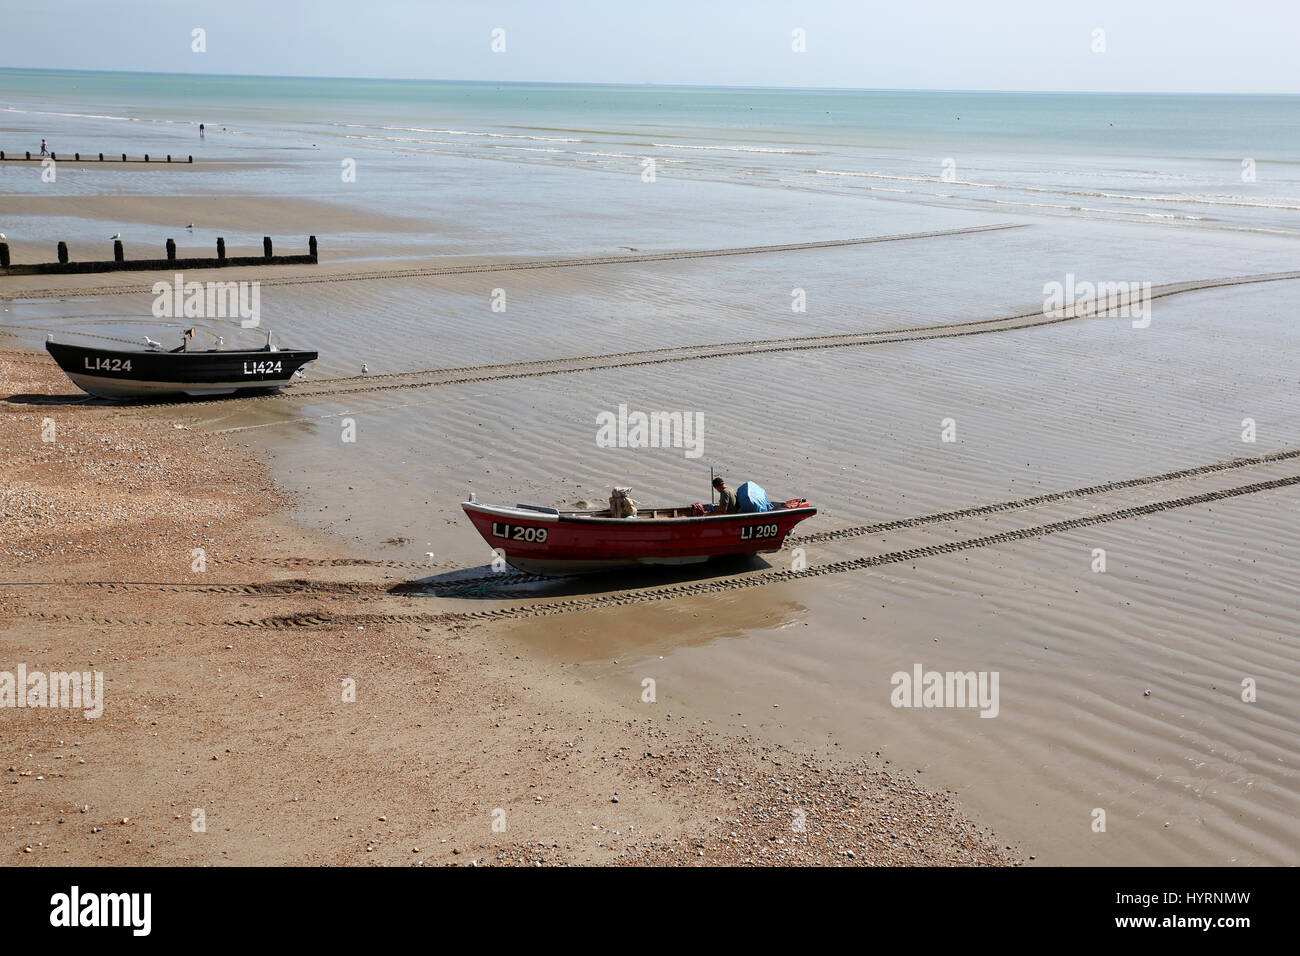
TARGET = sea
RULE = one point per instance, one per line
(1232, 161)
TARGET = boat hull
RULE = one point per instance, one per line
(550, 543)
(118, 374)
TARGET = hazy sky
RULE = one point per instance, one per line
(1150, 45)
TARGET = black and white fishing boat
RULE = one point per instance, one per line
(152, 372)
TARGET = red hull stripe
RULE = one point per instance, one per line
(561, 538)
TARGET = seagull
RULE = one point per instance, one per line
(365, 369)
(221, 340)
(3, 237)
(190, 227)
(116, 235)
(151, 343)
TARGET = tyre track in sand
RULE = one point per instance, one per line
(514, 577)
(721, 585)
(838, 534)
(478, 374)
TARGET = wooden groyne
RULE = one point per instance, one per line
(26, 156)
(120, 263)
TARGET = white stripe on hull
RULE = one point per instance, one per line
(105, 387)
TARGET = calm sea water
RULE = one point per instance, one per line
(1215, 160)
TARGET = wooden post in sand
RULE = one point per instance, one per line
(63, 251)
(311, 248)
(221, 251)
(101, 157)
(4, 255)
(171, 250)
(266, 246)
(119, 255)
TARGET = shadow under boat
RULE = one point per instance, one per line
(482, 583)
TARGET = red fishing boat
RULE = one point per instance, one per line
(547, 541)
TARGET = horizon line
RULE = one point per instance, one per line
(659, 85)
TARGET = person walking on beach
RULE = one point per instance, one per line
(200, 131)
(727, 504)
(44, 150)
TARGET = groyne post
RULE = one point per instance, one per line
(4, 255)
(118, 252)
(63, 251)
(266, 246)
(311, 248)
(221, 252)
(171, 250)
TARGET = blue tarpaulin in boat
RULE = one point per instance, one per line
(751, 497)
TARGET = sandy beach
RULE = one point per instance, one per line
(1098, 506)
(246, 722)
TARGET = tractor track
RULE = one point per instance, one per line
(670, 592)
(514, 577)
(298, 586)
(540, 368)
(837, 534)
(478, 374)
(527, 264)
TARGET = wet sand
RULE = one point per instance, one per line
(223, 741)
(971, 555)
(1197, 596)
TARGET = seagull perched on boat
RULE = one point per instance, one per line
(151, 343)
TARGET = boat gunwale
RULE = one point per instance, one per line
(147, 351)
(592, 517)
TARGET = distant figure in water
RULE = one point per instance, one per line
(200, 131)
(44, 150)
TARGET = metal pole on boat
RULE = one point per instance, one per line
(711, 489)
